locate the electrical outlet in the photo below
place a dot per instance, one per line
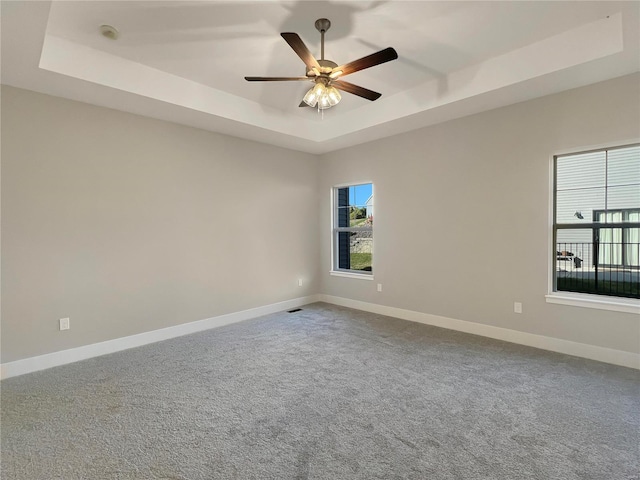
(64, 324)
(379, 287)
(299, 282)
(517, 307)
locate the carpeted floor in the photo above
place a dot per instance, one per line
(324, 393)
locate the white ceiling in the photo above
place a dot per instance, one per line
(185, 61)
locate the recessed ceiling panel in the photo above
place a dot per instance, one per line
(194, 56)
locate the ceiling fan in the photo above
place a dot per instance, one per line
(326, 74)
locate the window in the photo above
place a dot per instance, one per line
(596, 225)
(353, 229)
(618, 247)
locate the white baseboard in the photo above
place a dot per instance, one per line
(593, 352)
(41, 362)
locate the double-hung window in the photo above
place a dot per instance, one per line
(353, 229)
(596, 225)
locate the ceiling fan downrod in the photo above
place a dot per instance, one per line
(322, 25)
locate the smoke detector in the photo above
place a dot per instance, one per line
(109, 32)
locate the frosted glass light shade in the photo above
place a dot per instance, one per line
(323, 102)
(333, 95)
(314, 94)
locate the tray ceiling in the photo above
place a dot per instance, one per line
(185, 61)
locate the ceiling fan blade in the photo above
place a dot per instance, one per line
(275, 79)
(356, 90)
(301, 49)
(372, 60)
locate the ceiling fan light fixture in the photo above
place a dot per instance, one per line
(314, 94)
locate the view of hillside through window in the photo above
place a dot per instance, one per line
(353, 228)
(597, 222)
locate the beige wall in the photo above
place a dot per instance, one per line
(127, 224)
(462, 226)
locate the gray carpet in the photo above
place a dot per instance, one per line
(325, 393)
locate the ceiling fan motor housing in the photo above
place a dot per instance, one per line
(327, 63)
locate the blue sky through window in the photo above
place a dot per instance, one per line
(359, 194)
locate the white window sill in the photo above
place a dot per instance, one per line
(359, 276)
(615, 304)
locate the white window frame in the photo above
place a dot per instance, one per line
(584, 300)
(339, 272)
